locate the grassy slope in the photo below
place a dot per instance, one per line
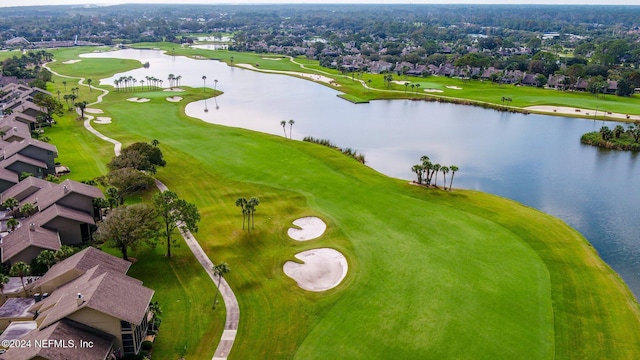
(432, 274)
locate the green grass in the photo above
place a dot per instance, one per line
(473, 91)
(432, 274)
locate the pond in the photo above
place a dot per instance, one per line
(534, 159)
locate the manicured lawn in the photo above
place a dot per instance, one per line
(432, 274)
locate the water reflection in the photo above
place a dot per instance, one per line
(536, 160)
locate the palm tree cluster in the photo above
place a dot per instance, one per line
(427, 172)
(283, 123)
(248, 209)
(174, 80)
(632, 131)
(388, 79)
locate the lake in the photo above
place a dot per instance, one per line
(534, 159)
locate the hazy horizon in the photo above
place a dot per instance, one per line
(13, 3)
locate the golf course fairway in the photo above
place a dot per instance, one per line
(432, 274)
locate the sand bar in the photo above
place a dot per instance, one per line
(581, 112)
(314, 77)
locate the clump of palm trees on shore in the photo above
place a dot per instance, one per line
(427, 173)
(347, 151)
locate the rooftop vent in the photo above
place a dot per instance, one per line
(32, 227)
(79, 299)
(65, 189)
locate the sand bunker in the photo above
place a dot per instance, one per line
(401, 82)
(266, 58)
(454, 88)
(93, 111)
(71, 61)
(433, 90)
(174, 89)
(323, 269)
(174, 99)
(581, 112)
(314, 77)
(138, 100)
(102, 120)
(310, 228)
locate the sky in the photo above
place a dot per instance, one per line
(7, 3)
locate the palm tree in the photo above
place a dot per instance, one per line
(3, 280)
(141, 84)
(418, 87)
(13, 223)
(65, 85)
(445, 170)
(20, 269)
(453, 172)
(283, 123)
(251, 209)
(178, 80)
(82, 105)
(46, 257)
(436, 169)
(204, 82)
(418, 169)
(215, 84)
(155, 142)
(291, 122)
(369, 84)
(171, 78)
(27, 209)
(219, 271)
(10, 203)
(89, 82)
(242, 202)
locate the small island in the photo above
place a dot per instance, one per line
(617, 139)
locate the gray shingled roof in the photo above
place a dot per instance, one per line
(16, 147)
(25, 188)
(23, 159)
(67, 187)
(82, 261)
(65, 331)
(111, 293)
(45, 216)
(8, 175)
(24, 237)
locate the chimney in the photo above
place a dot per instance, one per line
(65, 189)
(32, 227)
(79, 299)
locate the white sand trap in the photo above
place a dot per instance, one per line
(276, 59)
(174, 99)
(102, 120)
(174, 89)
(310, 228)
(138, 100)
(433, 90)
(93, 111)
(323, 269)
(454, 88)
(71, 61)
(401, 82)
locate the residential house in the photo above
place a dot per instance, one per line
(90, 298)
(66, 216)
(31, 156)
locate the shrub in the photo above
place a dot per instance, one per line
(147, 345)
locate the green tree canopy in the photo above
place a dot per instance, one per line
(128, 226)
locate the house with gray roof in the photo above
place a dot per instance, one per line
(34, 156)
(65, 216)
(90, 298)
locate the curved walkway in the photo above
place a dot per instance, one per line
(229, 298)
